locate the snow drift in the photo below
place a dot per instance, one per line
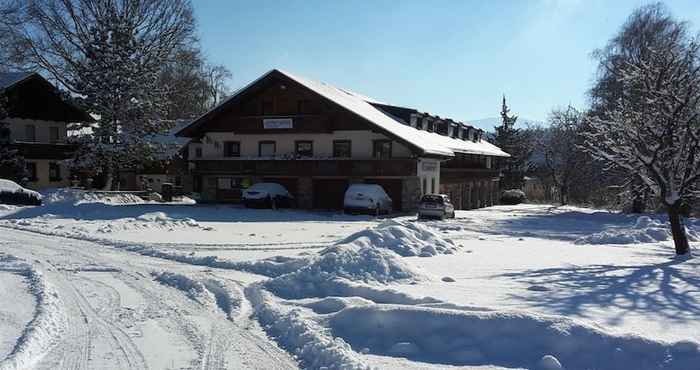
(76, 197)
(500, 338)
(644, 230)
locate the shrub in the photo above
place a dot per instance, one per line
(513, 196)
(20, 197)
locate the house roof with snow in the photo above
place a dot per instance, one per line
(9, 79)
(398, 122)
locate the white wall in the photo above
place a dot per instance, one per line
(18, 131)
(362, 144)
(429, 169)
(42, 175)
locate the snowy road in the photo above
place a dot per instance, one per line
(117, 316)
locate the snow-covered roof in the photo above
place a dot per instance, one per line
(9, 79)
(430, 143)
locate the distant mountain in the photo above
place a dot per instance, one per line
(488, 124)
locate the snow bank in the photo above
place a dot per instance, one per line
(346, 261)
(502, 339)
(644, 230)
(42, 333)
(76, 197)
(194, 289)
(403, 237)
(208, 292)
(305, 338)
(152, 220)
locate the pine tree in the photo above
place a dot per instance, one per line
(12, 166)
(120, 81)
(514, 142)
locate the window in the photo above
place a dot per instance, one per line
(382, 149)
(342, 149)
(304, 148)
(266, 149)
(425, 185)
(267, 107)
(4, 133)
(31, 171)
(489, 164)
(198, 152)
(232, 149)
(54, 172)
(30, 133)
(431, 126)
(432, 185)
(53, 134)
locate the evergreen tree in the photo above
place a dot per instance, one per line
(516, 143)
(12, 166)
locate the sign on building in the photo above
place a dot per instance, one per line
(277, 123)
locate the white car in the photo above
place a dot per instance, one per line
(13, 193)
(267, 195)
(367, 198)
(436, 205)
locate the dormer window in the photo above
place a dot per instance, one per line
(431, 126)
(450, 130)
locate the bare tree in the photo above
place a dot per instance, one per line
(561, 155)
(193, 85)
(652, 130)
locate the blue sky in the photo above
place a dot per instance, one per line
(450, 58)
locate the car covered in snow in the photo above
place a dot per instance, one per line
(363, 198)
(436, 205)
(13, 193)
(267, 195)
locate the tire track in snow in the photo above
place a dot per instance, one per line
(247, 342)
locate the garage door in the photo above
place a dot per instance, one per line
(329, 193)
(393, 187)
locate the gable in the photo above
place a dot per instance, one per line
(245, 111)
(35, 98)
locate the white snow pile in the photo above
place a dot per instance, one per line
(644, 230)
(43, 332)
(342, 262)
(152, 220)
(77, 197)
(503, 339)
(403, 237)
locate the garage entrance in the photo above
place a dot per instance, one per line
(329, 193)
(393, 187)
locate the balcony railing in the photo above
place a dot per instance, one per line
(388, 167)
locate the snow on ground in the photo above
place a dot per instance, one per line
(189, 286)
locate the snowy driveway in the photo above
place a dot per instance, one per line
(117, 317)
(160, 287)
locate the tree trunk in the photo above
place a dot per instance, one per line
(680, 239)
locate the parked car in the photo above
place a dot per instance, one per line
(267, 195)
(367, 198)
(435, 205)
(13, 193)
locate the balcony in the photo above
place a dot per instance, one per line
(311, 167)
